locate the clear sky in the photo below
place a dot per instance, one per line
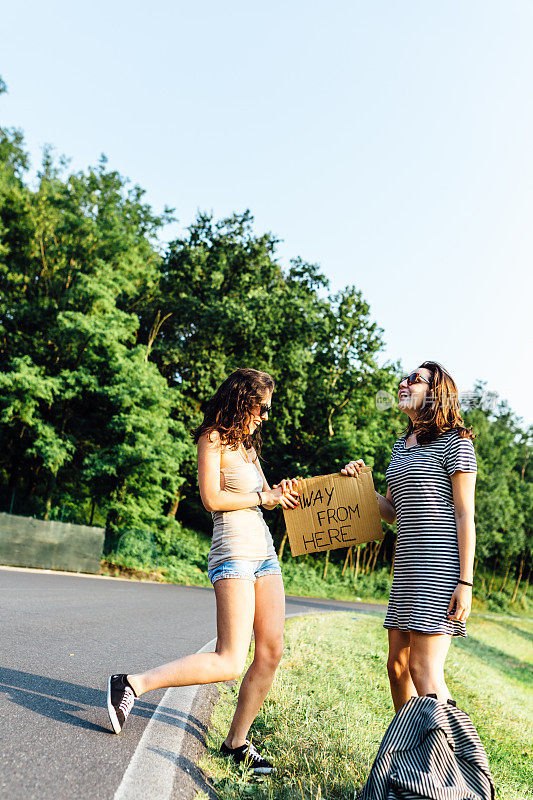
(390, 142)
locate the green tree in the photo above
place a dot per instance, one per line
(503, 494)
(85, 417)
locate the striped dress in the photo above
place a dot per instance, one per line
(426, 564)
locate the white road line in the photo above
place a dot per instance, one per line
(152, 769)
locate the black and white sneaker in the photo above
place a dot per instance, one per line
(247, 754)
(120, 700)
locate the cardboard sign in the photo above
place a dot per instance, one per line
(336, 511)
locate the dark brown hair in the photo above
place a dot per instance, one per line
(228, 411)
(441, 411)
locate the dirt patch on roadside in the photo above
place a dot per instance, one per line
(118, 571)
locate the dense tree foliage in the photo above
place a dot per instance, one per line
(109, 346)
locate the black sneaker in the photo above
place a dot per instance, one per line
(247, 754)
(120, 699)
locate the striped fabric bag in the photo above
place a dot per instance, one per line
(430, 751)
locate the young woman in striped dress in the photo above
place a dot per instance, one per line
(430, 493)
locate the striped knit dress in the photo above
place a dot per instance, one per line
(426, 564)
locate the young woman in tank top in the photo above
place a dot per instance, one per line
(242, 565)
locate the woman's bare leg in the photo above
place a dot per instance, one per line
(268, 631)
(426, 663)
(235, 616)
(401, 683)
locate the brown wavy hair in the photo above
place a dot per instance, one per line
(228, 411)
(442, 413)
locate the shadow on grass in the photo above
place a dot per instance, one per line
(513, 627)
(515, 668)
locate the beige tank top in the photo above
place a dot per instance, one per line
(241, 534)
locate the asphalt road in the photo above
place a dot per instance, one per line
(61, 636)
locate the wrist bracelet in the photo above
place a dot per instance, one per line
(465, 583)
(260, 498)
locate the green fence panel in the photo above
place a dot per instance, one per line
(29, 542)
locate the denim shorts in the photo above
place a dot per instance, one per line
(247, 570)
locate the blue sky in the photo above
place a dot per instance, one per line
(389, 142)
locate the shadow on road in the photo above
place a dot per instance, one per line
(66, 702)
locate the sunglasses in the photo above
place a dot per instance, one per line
(414, 377)
(263, 409)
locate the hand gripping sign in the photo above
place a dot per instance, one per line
(335, 511)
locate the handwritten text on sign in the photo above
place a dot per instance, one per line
(336, 511)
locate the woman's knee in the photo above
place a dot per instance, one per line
(231, 666)
(420, 669)
(269, 655)
(398, 669)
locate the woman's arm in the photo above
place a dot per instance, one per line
(463, 487)
(213, 497)
(387, 510)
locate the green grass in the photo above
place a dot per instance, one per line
(330, 706)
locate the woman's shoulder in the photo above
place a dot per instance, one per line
(458, 452)
(210, 440)
(451, 443)
(452, 436)
(447, 436)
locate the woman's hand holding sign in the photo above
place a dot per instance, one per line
(284, 494)
(387, 510)
(353, 468)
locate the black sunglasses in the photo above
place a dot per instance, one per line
(263, 409)
(414, 377)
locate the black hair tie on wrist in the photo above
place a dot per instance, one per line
(465, 583)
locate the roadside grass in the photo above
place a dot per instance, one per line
(330, 706)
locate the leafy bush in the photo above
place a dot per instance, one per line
(183, 559)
